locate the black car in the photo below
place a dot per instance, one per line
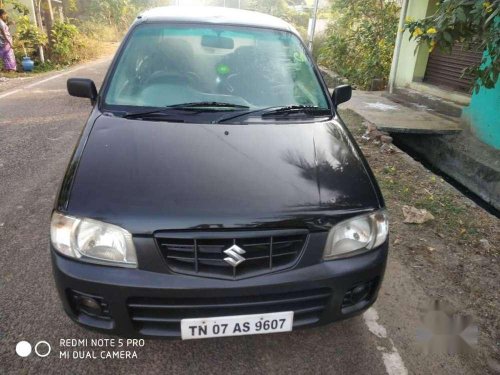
(215, 190)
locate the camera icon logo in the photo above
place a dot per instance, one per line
(42, 349)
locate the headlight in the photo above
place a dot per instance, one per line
(92, 241)
(357, 235)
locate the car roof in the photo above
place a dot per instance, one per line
(215, 15)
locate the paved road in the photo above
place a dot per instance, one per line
(39, 126)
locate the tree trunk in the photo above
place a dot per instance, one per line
(51, 12)
(39, 24)
(49, 22)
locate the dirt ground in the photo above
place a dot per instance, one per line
(456, 256)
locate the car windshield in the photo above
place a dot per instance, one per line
(167, 64)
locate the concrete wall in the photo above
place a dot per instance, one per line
(413, 59)
(483, 115)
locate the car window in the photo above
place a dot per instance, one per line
(164, 65)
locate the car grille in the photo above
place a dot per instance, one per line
(162, 316)
(202, 253)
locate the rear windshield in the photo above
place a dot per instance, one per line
(164, 65)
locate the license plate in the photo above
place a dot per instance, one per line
(237, 325)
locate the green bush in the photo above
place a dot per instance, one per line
(28, 37)
(359, 43)
(70, 46)
(92, 29)
(64, 42)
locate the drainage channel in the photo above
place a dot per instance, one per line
(398, 141)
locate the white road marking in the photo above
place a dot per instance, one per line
(393, 362)
(38, 91)
(9, 93)
(55, 77)
(371, 320)
(86, 66)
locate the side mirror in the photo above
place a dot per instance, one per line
(341, 94)
(82, 88)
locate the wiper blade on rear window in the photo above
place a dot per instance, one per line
(281, 110)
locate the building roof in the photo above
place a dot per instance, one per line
(215, 15)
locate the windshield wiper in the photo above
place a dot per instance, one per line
(139, 114)
(189, 106)
(208, 105)
(279, 110)
(291, 109)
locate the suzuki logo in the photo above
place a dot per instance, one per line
(234, 255)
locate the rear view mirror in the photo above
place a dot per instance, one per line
(341, 94)
(82, 88)
(213, 41)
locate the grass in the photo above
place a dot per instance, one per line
(451, 214)
(404, 183)
(15, 74)
(39, 68)
(93, 49)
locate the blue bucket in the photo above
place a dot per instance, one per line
(27, 64)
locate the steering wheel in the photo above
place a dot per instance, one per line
(162, 76)
(280, 87)
(228, 83)
(194, 80)
(144, 69)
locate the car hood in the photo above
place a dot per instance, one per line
(148, 176)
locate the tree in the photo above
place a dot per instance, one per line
(474, 23)
(18, 6)
(28, 37)
(281, 9)
(115, 13)
(360, 40)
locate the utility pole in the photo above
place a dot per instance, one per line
(397, 47)
(313, 25)
(50, 23)
(37, 19)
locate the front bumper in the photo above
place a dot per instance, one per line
(146, 303)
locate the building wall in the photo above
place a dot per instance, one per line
(483, 115)
(413, 59)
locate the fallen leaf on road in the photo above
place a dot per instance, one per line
(415, 215)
